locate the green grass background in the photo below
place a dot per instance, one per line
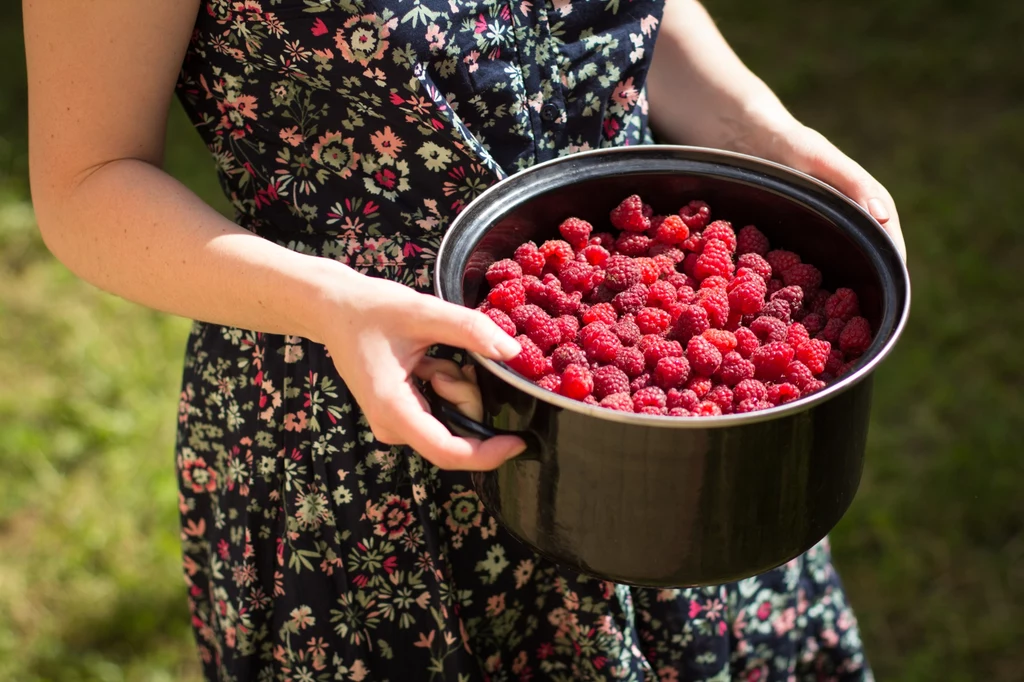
(928, 94)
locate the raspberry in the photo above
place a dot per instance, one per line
(667, 257)
(843, 304)
(714, 282)
(502, 270)
(752, 261)
(817, 303)
(651, 396)
(721, 230)
(750, 405)
(716, 303)
(693, 320)
(590, 400)
(694, 243)
(576, 276)
(531, 361)
(576, 232)
(567, 354)
(750, 389)
(803, 275)
(799, 374)
(847, 368)
(813, 323)
(704, 358)
(856, 336)
(520, 315)
(689, 265)
(603, 239)
(685, 293)
(774, 285)
(779, 309)
(746, 342)
(661, 294)
(530, 259)
(543, 331)
(601, 294)
(679, 412)
(602, 346)
(671, 372)
(747, 295)
(796, 334)
(632, 300)
(751, 240)
(640, 382)
(536, 292)
(833, 328)
(695, 214)
(507, 295)
(623, 402)
(608, 380)
(629, 215)
(631, 361)
(628, 331)
(660, 411)
(812, 387)
(734, 369)
(569, 326)
(601, 312)
(722, 396)
(707, 409)
(550, 382)
(577, 382)
(683, 398)
(722, 340)
(814, 353)
(770, 361)
(780, 394)
(650, 270)
(594, 254)
(659, 348)
(672, 230)
(699, 385)
(632, 244)
(716, 259)
(555, 253)
(653, 321)
(794, 296)
(561, 303)
(502, 320)
(833, 364)
(769, 329)
(621, 273)
(781, 261)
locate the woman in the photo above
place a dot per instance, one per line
(318, 545)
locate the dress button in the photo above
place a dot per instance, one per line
(550, 112)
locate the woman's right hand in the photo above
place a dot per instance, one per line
(378, 332)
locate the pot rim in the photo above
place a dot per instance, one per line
(867, 366)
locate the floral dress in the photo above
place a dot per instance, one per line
(356, 130)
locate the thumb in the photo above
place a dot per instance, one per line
(454, 325)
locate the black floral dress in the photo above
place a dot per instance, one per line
(356, 130)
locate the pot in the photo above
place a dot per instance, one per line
(664, 501)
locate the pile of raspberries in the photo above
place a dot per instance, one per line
(673, 315)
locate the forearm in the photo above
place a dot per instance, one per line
(134, 231)
(699, 90)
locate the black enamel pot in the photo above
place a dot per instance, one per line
(664, 501)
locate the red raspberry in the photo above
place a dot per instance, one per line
(747, 295)
(716, 259)
(833, 328)
(576, 276)
(659, 348)
(628, 331)
(814, 353)
(629, 215)
(722, 396)
(590, 330)
(522, 314)
(699, 385)
(721, 230)
(746, 342)
(693, 320)
(550, 382)
(653, 321)
(561, 303)
(751, 240)
(693, 244)
(531, 361)
(569, 326)
(623, 402)
(685, 294)
(794, 296)
(856, 336)
(813, 323)
(502, 320)
(530, 259)
(679, 412)
(631, 361)
(722, 340)
(779, 309)
(803, 275)
(672, 230)
(650, 271)
(605, 239)
(543, 331)
(577, 382)
(621, 273)
(780, 394)
(707, 409)
(715, 282)
(555, 253)
(659, 411)
(507, 295)
(632, 300)
(734, 369)
(774, 285)
(667, 257)
(847, 368)
(695, 214)
(594, 254)
(833, 364)
(671, 372)
(502, 270)
(770, 360)
(609, 379)
(750, 389)
(603, 346)
(640, 382)
(651, 396)
(799, 374)
(567, 354)
(752, 261)
(661, 294)
(716, 302)
(632, 244)
(817, 303)
(812, 387)
(796, 334)
(685, 399)
(576, 232)
(601, 312)
(704, 358)
(744, 406)
(536, 292)
(689, 265)
(769, 329)
(590, 400)
(781, 261)
(843, 304)
(601, 294)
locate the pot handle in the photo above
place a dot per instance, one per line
(467, 427)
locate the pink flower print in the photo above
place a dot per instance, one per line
(625, 93)
(335, 152)
(519, 665)
(295, 421)
(196, 474)
(785, 622)
(764, 610)
(829, 637)
(435, 37)
(386, 143)
(319, 28)
(391, 516)
(471, 60)
(496, 604)
(564, 7)
(362, 39)
(235, 112)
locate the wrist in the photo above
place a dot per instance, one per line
(328, 288)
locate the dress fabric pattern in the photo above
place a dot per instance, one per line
(356, 130)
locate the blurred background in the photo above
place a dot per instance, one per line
(927, 94)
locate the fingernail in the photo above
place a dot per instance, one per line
(515, 452)
(877, 209)
(506, 346)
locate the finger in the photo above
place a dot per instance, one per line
(463, 394)
(451, 324)
(427, 367)
(469, 371)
